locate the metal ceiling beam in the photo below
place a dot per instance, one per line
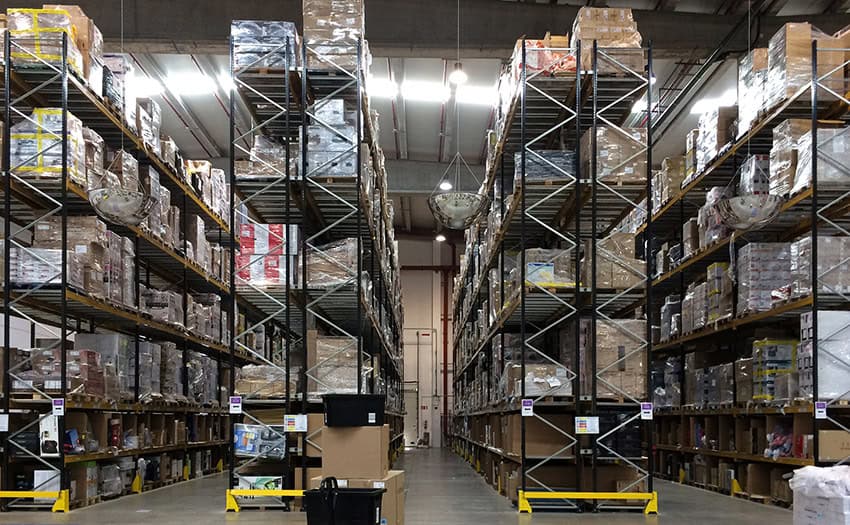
(399, 107)
(412, 177)
(150, 68)
(406, 27)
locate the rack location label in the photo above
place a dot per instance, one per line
(527, 407)
(235, 404)
(587, 425)
(646, 411)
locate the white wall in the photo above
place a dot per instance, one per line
(422, 297)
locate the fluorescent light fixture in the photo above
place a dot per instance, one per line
(445, 185)
(458, 76)
(422, 91)
(145, 87)
(190, 84)
(381, 87)
(728, 98)
(477, 95)
(440, 238)
(225, 80)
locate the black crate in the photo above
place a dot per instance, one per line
(330, 505)
(354, 410)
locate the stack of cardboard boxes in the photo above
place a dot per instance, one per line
(616, 34)
(333, 29)
(358, 458)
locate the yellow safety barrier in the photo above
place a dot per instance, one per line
(62, 503)
(136, 487)
(232, 505)
(650, 497)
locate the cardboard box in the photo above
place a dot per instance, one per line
(833, 445)
(392, 501)
(355, 452)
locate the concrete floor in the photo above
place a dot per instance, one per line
(441, 490)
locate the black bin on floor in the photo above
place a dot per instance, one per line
(331, 505)
(354, 410)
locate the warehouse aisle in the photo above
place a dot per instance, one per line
(441, 489)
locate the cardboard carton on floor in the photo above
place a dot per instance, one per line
(392, 501)
(355, 452)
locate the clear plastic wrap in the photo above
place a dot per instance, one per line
(691, 148)
(122, 71)
(771, 358)
(549, 268)
(752, 78)
(744, 380)
(265, 381)
(672, 306)
(833, 356)
(35, 146)
(762, 268)
(784, 154)
(332, 264)
(714, 132)
(719, 291)
(671, 176)
(332, 365)
(789, 62)
(833, 151)
(332, 28)
(87, 237)
(545, 165)
(754, 175)
(690, 237)
(833, 266)
(620, 357)
(259, 441)
(111, 484)
(163, 306)
(39, 266)
(39, 32)
(620, 154)
(114, 350)
(126, 166)
(95, 150)
(548, 56)
(540, 380)
(616, 34)
(263, 44)
(171, 372)
(711, 226)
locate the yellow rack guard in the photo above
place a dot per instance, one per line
(62, 503)
(651, 498)
(232, 505)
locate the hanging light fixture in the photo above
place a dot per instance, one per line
(452, 207)
(458, 76)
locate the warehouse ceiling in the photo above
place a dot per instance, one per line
(414, 43)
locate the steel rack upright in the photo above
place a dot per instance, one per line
(57, 309)
(814, 210)
(329, 207)
(566, 206)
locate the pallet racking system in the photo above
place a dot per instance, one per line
(361, 309)
(575, 209)
(58, 310)
(817, 210)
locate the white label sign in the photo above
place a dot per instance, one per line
(527, 407)
(235, 404)
(372, 418)
(820, 409)
(4, 422)
(646, 411)
(587, 425)
(295, 423)
(58, 407)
